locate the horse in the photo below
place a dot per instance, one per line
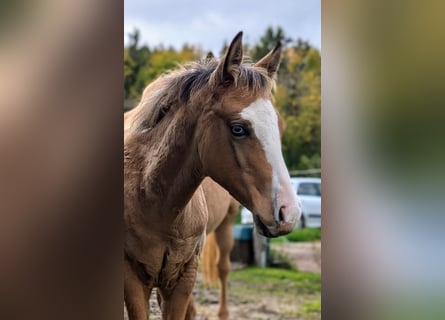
(215, 258)
(210, 118)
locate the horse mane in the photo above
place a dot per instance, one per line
(175, 88)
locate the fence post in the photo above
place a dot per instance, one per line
(260, 249)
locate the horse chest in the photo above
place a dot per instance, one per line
(183, 241)
(166, 253)
(164, 240)
(176, 257)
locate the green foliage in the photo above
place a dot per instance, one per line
(238, 217)
(299, 100)
(142, 65)
(297, 94)
(135, 58)
(268, 41)
(300, 235)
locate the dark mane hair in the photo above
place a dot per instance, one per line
(174, 89)
(194, 76)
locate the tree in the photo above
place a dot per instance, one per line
(268, 41)
(135, 58)
(297, 93)
(298, 98)
(142, 64)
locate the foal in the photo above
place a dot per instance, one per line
(211, 119)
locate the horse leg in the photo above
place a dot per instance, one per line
(136, 295)
(225, 242)
(176, 302)
(191, 310)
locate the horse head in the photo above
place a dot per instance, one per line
(240, 139)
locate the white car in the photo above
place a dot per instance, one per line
(309, 194)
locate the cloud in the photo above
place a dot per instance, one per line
(209, 24)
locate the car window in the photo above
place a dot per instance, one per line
(309, 189)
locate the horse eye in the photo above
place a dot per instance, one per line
(238, 130)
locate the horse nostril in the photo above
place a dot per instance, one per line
(281, 214)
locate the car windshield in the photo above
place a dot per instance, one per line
(309, 189)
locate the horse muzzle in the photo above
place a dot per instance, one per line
(285, 222)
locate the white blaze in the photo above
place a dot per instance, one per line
(264, 120)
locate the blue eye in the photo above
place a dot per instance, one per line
(238, 130)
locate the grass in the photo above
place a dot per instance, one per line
(255, 292)
(300, 235)
(311, 309)
(288, 292)
(302, 281)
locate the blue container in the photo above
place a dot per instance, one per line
(242, 232)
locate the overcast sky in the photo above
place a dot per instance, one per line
(208, 22)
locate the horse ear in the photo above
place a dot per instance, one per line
(228, 70)
(271, 61)
(209, 56)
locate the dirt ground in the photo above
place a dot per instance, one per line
(265, 302)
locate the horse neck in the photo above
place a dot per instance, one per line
(173, 168)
